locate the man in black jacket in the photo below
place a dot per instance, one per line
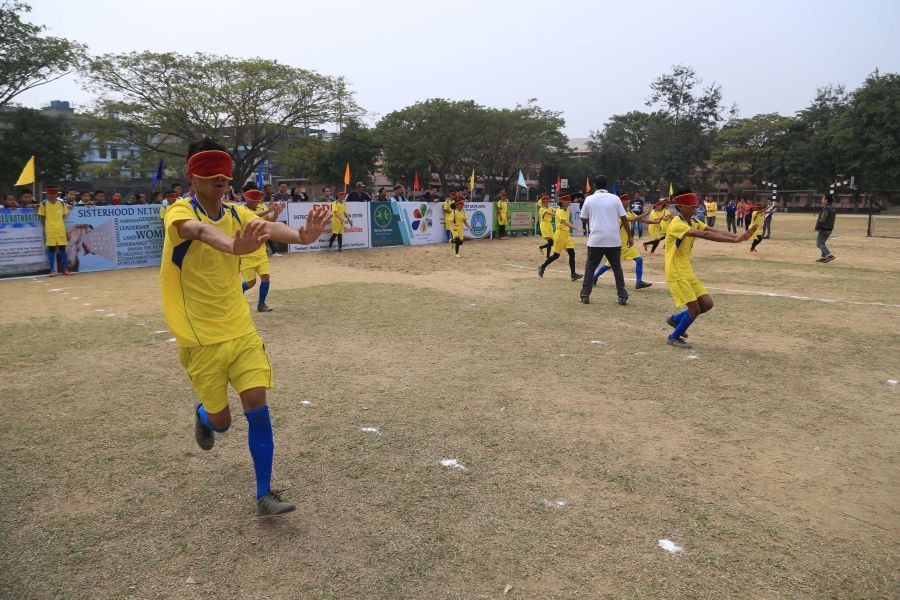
(824, 227)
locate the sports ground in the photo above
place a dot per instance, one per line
(767, 453)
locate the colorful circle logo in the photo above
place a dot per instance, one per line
(382, 216)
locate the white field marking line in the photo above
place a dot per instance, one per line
(670, 546)
(370, 430)
(452, 463)
(752, 292)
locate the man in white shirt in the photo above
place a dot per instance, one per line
(398, 194)
(605, 214)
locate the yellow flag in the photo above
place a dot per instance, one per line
(587, 184)
(671, 191)
(27, 175)
(472, 182)
(347, 175)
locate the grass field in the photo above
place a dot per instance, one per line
(770, 457)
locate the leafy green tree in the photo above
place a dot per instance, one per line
(25, 132)
(748, 147)
(28, 58)
(161, 101)
(865, 138)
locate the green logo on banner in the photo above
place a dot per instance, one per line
(382, 216)
(478, 223)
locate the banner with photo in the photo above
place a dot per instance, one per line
(21, 243)
(114, 237)
(355, 236)
(422, 222)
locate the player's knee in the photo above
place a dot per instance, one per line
(251, 283)
(263, 278)
(220, 420)
(706, 304)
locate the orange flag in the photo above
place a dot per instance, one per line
(347, 175)
(587, 184)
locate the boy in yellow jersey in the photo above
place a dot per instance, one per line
(545, 218)
(171, 198)
(257, 262)
(203, 307)
(338, 218)
(630, 252)
(448, 207)
(759, 215)
(658, 223)
(562, 238)
(52, 213)
(711, 208)
(685, 287)
(459, 221)
(502, 214)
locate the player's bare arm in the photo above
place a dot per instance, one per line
(715, 235)
(244, 242)
(315, 225)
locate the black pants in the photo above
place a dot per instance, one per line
(340, 240)
(502, 230)
(767, 226)
(711, 221)
(756, 242)
(731, 223)
(594, 256)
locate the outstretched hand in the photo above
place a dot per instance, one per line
(315, 225)
(250, 238)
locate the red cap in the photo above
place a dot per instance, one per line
(685, 200)
(566, 198)
(253, 195)
(625, 198)
(172, 196)
(51, 191)
(209, 164)
(342, 194)
(460, 202)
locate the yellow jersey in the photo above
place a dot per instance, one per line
(654, 229)
(562, 214)
(502, 212)
(711, 208)
(757, 219)
(54, 214)
(666, 219)
(338, 216)
(448, 213)
(623, 232)
(545, 218)
(201, 286)
(258, 256)
(679, 246)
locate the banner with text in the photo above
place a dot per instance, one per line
(384, 218)
(479, 216)
(21, 243)
(355, 236)
(113, 237)
(521, 218)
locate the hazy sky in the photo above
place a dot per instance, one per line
(588, 59)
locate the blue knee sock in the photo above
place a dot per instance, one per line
(262, 447)
(683, 323)
(678, 316)
(263, 291)
(603, 269)
(51, 257)
(244, 286)
(63, 259)
(204, 420)
(639, 268)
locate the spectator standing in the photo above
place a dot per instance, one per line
(10, 201)
(399, 194)
(359, 194)
(382, 195)
(85, 199)
(502, 214)
(637, 207)
(700, 215)
(282, 195)
(824, 227)
(71, 196)
(26, 199)
(711, 208)
(606, 215)
(771, 208)
(299, 194)
(52, 213)
(116, 199)
(267, 193)
(741, 211)
(730, 216)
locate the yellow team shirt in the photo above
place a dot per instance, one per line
(711, 208)
(258, 256)
(54, 214)
(757, 219)
(664, 224)
(679, 247)
(502, 212)
(654, 229)
(545, 217)
(201, 286)
(562, 214)
(338, 214)
(458, 219)
(448, 214)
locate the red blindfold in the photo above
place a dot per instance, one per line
(209, 164)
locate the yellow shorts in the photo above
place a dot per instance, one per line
(249, 271)
(561, 242)
(242, 361)
(685, 290)
(629, 253)
(337, 226)
(57, 240)
(457, 233)
(546, 230)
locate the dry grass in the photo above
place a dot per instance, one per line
(771, 459)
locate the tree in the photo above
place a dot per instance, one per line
(161, 101)
(749, 147)
(675, 95)
(865, 139)
(25, 132)
(28, 58)
(434, 136)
